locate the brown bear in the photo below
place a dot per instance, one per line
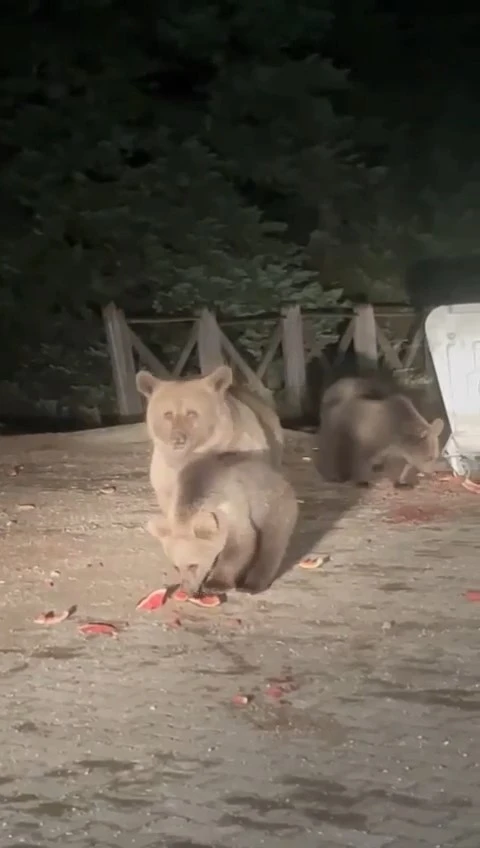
(187, 418)
(347, 388)
(364, 423)
(229, 523)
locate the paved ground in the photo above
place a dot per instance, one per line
(134, 741)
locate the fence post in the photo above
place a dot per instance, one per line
(294, 361)
(129, 402)
(365, 338)
(209, 344)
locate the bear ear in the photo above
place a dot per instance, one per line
(205, 525)
(158, 526)
(436, 427)
(146, 383)
(221, 379)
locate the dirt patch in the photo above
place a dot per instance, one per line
(411, 514)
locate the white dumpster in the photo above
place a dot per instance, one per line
(453, 338)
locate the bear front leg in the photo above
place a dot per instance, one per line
(231, 562)
(362, 468)
(407, 478)
(273, 539)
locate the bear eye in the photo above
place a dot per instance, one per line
(168, 415)
(192, 414)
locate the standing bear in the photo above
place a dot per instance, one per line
(217, 450)
(188, 418)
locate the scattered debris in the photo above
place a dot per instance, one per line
(454, 480)
(98, 628)
(471, 486)
(174, 624)
(14, 471)
(274, 692)
(472, 595)
(313, 562)
(108, 490)
(410, 514)
(52, 617)
(279, 687)
(242, 700)
(50, 580)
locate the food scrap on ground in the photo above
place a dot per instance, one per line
(241, 700)
(313, 562)
(153, 600)
(207, 601)
(180, 595)
(471, 486)
(274, 691)
(472, 595)
(98, 628)
(52, 617)
(108, 490)
(14, 471)
(159, 597)
(453, 481)
(279, 687)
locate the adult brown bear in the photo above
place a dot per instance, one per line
(364, 422)
(188, 418)
(229, 522)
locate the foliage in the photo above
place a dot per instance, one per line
(396, 221)
(108, 200)
(212, 154)
(112, 191)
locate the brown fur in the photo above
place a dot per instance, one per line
(370, 388)
(229, 524)
(359, 431)
(188, 418)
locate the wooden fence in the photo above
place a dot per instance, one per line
(291, 337)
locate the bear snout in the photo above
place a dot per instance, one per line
(178, 439)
